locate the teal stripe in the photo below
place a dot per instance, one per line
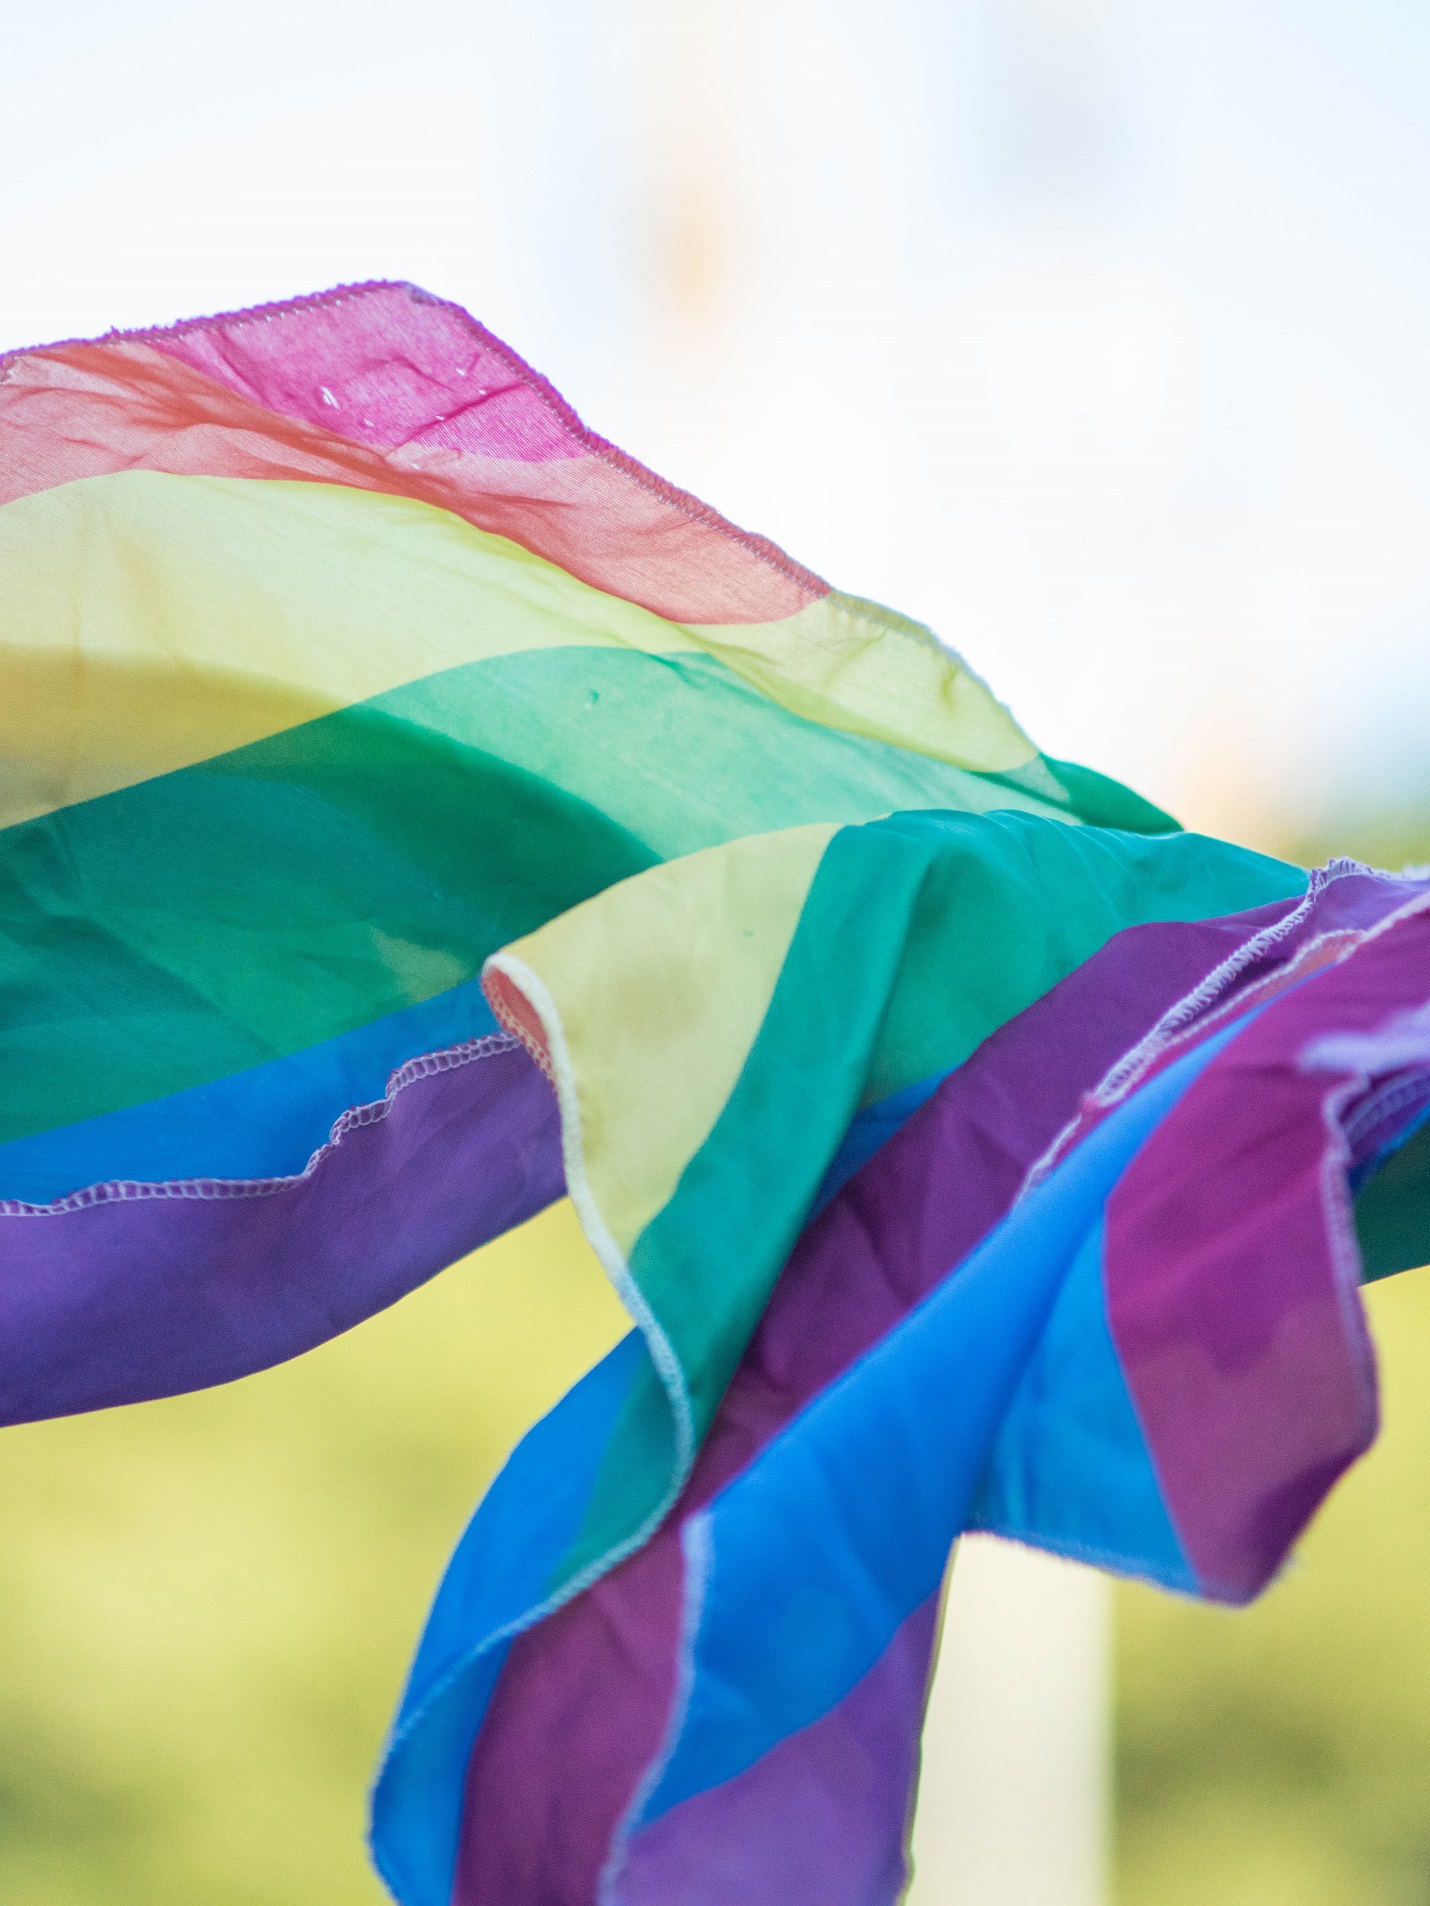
(1009, 906)
(707, 1263)
(1102, 802)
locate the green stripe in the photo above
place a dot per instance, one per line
(214, 918)
(685, 754)
(922, 934)
(1103, 802)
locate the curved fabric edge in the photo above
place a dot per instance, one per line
(265, 1123)
(506, 975)
(822, 1530)
(125, 1291)
(810, 1526)
(824, 1816)
(1248, 1262)
(1148, 952)
(497, 1584)
(854, 686)
(1055, 1049)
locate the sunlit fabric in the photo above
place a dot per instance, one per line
(413, 810)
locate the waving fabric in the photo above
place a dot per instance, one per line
(412, 809)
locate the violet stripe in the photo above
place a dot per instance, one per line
(917, 1208)
(821, 1820)
(131, 1292)
(1232, 1271)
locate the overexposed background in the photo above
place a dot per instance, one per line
(1092, 333)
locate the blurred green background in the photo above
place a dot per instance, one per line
(208, 1605)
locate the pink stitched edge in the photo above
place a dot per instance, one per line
(541, 387)
(128, 1190)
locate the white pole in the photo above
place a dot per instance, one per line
(1014, 1799)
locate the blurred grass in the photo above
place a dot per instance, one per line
(208, 1604)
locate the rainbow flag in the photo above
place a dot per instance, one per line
(415, 809)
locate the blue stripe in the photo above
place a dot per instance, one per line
(1071, 1470)
(263, 1123)
(842, 1526)
(498, 1577)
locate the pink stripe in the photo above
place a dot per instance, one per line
(1232, 1270)
(244, 396)
(384, 365)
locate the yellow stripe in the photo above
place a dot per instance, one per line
(850, 664)
(651, 996)
(149, 621)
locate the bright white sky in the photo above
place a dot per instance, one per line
(1092, 333)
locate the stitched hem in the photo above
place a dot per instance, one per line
(502, 976)
(523, 1004)
(811, 585)
(130, 1190)
(1192, 1016)
(697, 1547)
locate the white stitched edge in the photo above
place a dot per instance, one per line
(697, 1547)
(613, 1262)
(578, 1187)
(131, 1190)
(1193, 1007)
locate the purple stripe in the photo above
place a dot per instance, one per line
(129, 1291)
(1233, 1271)
(821, 1820)
(591, 1695)
(892, 1233)
(1343, 904)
